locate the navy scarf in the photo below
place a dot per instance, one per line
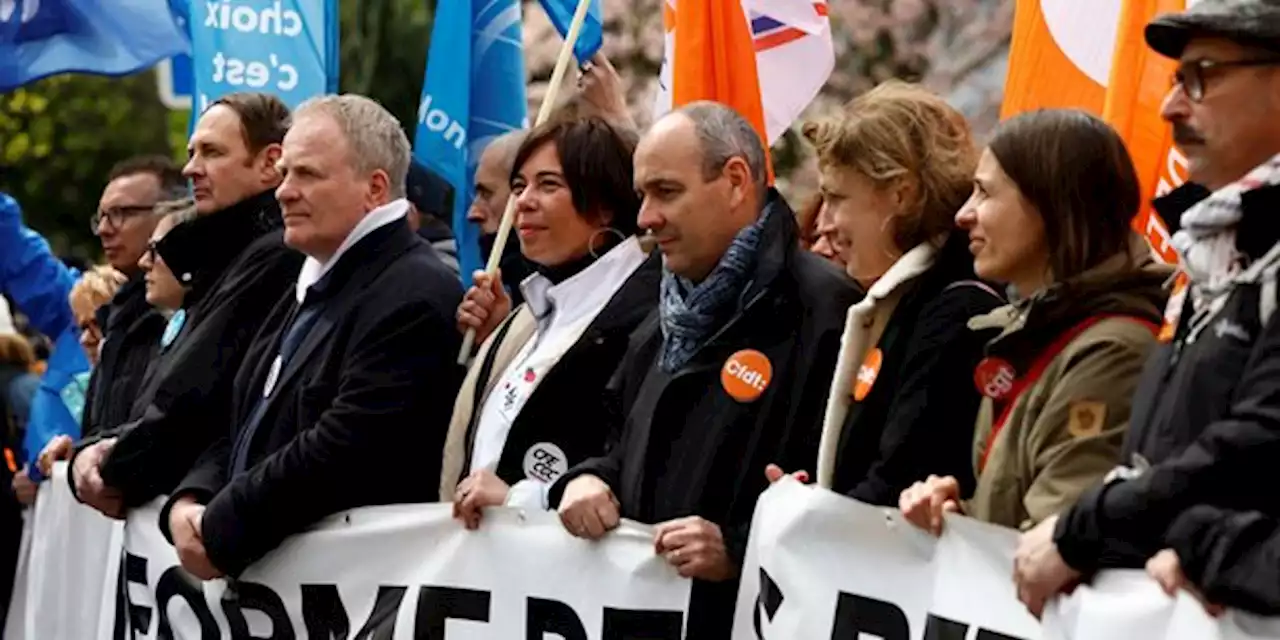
(691, 313)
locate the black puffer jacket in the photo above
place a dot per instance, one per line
(1206, 415)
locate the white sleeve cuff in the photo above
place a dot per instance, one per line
(528, 494)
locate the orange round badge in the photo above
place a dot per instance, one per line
(867, 373)
(746, 374)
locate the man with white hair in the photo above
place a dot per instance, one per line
(346, 396)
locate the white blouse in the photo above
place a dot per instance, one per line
(563, 312)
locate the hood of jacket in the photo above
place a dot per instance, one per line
(1133, 284)
(200, 250)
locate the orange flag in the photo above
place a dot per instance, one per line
(1091, 55)
(715, 58)
(1136, 89)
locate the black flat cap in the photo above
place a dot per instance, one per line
(1254, 22)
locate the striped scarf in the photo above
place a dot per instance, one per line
(1206, 243)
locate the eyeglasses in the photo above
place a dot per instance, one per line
(116, 216)
(151, 252)
(1191, 74)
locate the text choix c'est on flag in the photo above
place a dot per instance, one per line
(1091, 55)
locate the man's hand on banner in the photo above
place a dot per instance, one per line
(90, 488)
(185, 520)
(24, 488)
(924, 503)
(485, 306)
(602, 88)
(775, 473)
(1166, 568)
(483, 488)
(1039, 570)
(588, 508)
(695, 547)
(58, 449)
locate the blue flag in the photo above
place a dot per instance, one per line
(287, 48)
(40, 38)
(592, 34)
(474, 91)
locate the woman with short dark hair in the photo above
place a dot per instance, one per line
(534, 403)
(1054, 196)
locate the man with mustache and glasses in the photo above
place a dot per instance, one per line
(1205, 428)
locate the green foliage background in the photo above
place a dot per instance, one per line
(59, 137)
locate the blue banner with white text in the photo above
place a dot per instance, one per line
(283, 47)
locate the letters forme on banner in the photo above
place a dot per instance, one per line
(818, 566)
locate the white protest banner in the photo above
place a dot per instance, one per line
(67, 587)
(412, 571)
(822, 566)
(1124, 605)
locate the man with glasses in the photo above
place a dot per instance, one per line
(1205, 427)
(130, 327)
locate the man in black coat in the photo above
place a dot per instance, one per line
(729, 375)
(130, 328)
(234, 265)
(346, 399)
(1205, 428)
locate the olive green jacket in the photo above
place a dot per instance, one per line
(1064, 432)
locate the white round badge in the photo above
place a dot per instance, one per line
(545, 462)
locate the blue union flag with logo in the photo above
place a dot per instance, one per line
(474, 91)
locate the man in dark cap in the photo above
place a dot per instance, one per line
(1205, 427)
(428, 197)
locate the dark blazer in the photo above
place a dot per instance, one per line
(577, 380)
(237, 265)
(358, 415)
(131, 331)
(688, 448)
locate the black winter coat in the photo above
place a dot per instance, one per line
(131, 331)
(238, 266)
(1206, 417)
(1232, 557)
(356, 417)
(918, 418)
(689, 448)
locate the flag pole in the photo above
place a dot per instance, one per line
(544, 112)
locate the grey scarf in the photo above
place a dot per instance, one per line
(691, 313)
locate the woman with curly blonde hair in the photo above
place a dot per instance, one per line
(896, 165)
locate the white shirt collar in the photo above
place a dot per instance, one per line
(313, 269)
(587, 290)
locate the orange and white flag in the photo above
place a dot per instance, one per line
(767, 59)
(1090, 54)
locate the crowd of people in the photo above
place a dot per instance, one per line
(946, 328)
